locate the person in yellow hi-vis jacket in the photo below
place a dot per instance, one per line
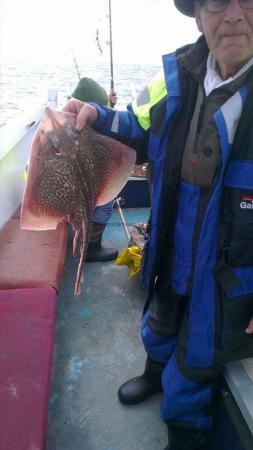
(196, 123)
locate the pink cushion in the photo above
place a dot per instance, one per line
(30, 259)
(27, 319)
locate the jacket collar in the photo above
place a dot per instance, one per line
(194, 59)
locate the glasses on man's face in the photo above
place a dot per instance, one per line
(215, 6)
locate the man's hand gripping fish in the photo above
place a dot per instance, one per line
(69, 174)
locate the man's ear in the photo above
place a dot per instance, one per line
(198, 18)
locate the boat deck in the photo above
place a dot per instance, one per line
(97, 348)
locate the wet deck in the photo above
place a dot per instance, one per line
(97, 347)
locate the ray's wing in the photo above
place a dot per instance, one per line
(112, 164)
(43, 207)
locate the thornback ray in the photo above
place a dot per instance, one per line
(69, 174)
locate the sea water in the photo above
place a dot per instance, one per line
(23, 86)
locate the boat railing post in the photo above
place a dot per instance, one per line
(52, 98)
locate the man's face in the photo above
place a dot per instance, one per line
(229, 35)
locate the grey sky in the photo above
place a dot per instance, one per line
(45, 30)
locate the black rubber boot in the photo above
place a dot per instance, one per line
(140, 388)
(183, 438)
(95, 251)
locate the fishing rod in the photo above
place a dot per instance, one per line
(75, 62)
(110, 42)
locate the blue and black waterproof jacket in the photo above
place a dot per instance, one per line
(221, 274)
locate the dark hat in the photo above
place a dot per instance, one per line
(88, 90)
(185, 6)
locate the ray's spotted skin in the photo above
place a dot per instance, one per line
(70, 173)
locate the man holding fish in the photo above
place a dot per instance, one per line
(198, 261)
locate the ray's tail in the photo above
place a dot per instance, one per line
(82, 239)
